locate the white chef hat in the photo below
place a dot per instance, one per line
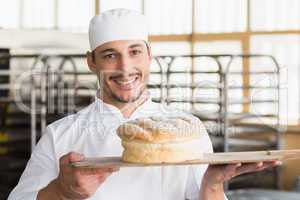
(117, 24)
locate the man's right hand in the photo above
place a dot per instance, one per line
(75, 183)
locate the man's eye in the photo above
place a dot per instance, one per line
(136, 52)
(109, 56)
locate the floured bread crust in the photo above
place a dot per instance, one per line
(139, 152)
(161, 129)
(161, 139)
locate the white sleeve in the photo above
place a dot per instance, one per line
(196, 172)
(40, 170)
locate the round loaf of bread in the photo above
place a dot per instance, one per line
(161, 139)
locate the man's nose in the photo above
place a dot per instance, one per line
(125, 63)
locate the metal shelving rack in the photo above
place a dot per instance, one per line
(17, 118)
(226, 124)
(15, 126)
(223, 116)
(56, 91)
(240, 118)
(247, 124)
(168, 70)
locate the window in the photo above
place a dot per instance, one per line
(9, 14)
(217, 27)
(129, 4)
(269, 15)
(75, 16)
(169, 16)
(218, 47)
(38, 14)
(47, 14)
(170, 48)
(217, 16)
(286, 49)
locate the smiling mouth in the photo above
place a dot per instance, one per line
(126, 82)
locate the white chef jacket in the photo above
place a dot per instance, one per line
(92, 132)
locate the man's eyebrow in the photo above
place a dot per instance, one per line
(107, 50)
(113, 50)
(135, 45)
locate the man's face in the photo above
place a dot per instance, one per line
(122, 68)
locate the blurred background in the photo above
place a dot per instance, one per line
(232, 63)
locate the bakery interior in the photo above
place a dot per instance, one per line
(234, 64)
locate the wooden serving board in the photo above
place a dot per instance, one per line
(209, 158)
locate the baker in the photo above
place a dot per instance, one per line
(120, 57)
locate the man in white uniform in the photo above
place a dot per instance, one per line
(120, 58)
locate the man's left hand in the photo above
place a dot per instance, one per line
(216, 175)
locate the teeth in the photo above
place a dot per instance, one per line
(125, 82)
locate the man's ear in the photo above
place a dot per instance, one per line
(91, 61)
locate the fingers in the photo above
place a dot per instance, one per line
(269, 165)
(231, 170)
(75, 157)
(217, 174)
(254, 167)
(79, 183)
(71, 157)
(273, 163)
(247, 168)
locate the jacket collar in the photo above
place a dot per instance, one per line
(107, 109)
